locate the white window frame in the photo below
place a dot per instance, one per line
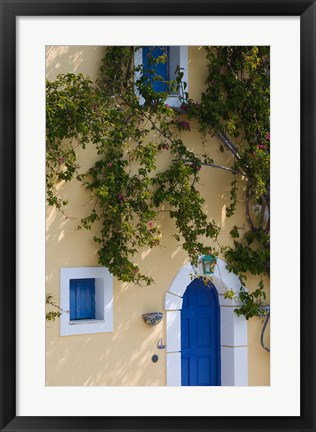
(103, 323)
(179, 53)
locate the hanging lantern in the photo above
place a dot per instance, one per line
(207, 263)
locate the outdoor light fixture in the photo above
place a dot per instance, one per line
(152, 318)
(207, 263)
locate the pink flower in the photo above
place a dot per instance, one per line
(150, 224)
(268, 136)
(110, 164)
(185, 125)
(261, 146)
(182, 124)
(195, 166)
(167, 106)
(61, 159)
(121, 197)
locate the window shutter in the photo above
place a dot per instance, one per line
(82, 299)
(161, 69)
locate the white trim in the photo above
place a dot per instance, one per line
(233, 328)
(234, 366)
(104, 301)
(173, 331)
(181, 52)
(173, 302)
(173, 371)
(234, 336)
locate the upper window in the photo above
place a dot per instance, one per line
(86, 297)
(151, 55)
(164, 62)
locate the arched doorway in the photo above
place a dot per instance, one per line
(200, 335)
(233, 328)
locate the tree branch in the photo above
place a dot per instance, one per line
(227, 143)
(265, 207)
(247, 209)
(232, 170)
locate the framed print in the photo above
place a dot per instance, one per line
(104, 347)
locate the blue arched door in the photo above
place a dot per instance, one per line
(200, 336)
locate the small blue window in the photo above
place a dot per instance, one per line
(82, 299)
(161, 68)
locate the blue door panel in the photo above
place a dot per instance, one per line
(204, 371)
(202, 298)
(200, 335)
(193, 378)
(185, 365)
(185, 332)
(203, 332)
(161, 69)
(82, 299)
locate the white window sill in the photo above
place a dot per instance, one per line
(86, 321)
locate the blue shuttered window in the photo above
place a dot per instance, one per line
(82, 299)
(160, 68)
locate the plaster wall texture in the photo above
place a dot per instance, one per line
(123, 357)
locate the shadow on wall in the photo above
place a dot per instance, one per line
(124, 356)
(73, 59)
(102, 370)
(120, 358)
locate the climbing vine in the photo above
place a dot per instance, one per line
(131, 126)
(56, 312)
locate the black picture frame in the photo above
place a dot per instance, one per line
(9, 10)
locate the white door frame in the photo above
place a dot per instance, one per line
(233, 329)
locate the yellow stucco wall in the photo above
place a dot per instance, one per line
(123, 357)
